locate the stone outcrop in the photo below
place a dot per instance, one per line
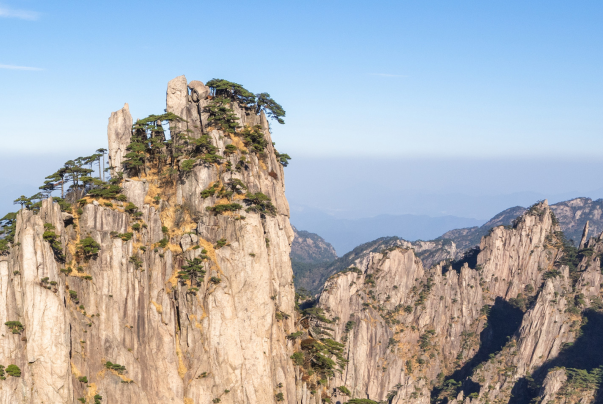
(409, 329)
(181, 290)
(119, 133)
(169, 340)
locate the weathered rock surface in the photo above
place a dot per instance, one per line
(126, 305)
(126, 319)
(408, 329)
(119, 133)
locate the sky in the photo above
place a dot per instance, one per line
(422, 98)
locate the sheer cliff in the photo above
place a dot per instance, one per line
(175, 285)
(172, 283)
(502, 325)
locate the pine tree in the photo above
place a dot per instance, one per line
(22, 200)
(270, 107)
(58, 178)
(101, 152)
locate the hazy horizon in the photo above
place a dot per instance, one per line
(441, 109)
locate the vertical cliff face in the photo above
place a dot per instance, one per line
(176, 287)
(188, 305)
(474, 332)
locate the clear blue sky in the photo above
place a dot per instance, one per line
(433, 79)
(356, 78)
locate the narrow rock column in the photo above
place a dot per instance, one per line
(119, 133)
(584, 236)
(176, 101)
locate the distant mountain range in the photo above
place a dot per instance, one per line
(312, 268)
(346, 234)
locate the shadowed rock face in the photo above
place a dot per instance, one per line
(311, 248)
(408, 329)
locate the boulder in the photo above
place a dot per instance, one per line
(199, 91)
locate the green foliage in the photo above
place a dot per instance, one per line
(32, 203)
(322, 355)
(425, 339)
(298, 358)
(236, 185)
(259, 203)
(270, 107)
(370, 280)
(282, 158)
(13, 370)
(206, 193)
(136, 261)
(116, 367)
(200, 145)
(221, 243)
(570, 257)
(53, 239)
(317, 314)
(227, 207)
(520, 302)
(15, 326)
(82, 379)
(97, 399)
(254, 139)
(63, 204)
(280, 397)
(237, 93)
(426, 288)
(221, 115)
(148, 142)
(130, 208)
(105, 190)
(215, 280)
(349, 326)
(294, 336)
(8, 225)
(193, 270)
(581, 380)
(22, 200)
(552, 273)
(73, 294)
(231, 91)
(230, 149)
(88, 248)
(211, 158)
(163, 242)
(361, 401)
(187, 165)
(125, 236)
(344, 390)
